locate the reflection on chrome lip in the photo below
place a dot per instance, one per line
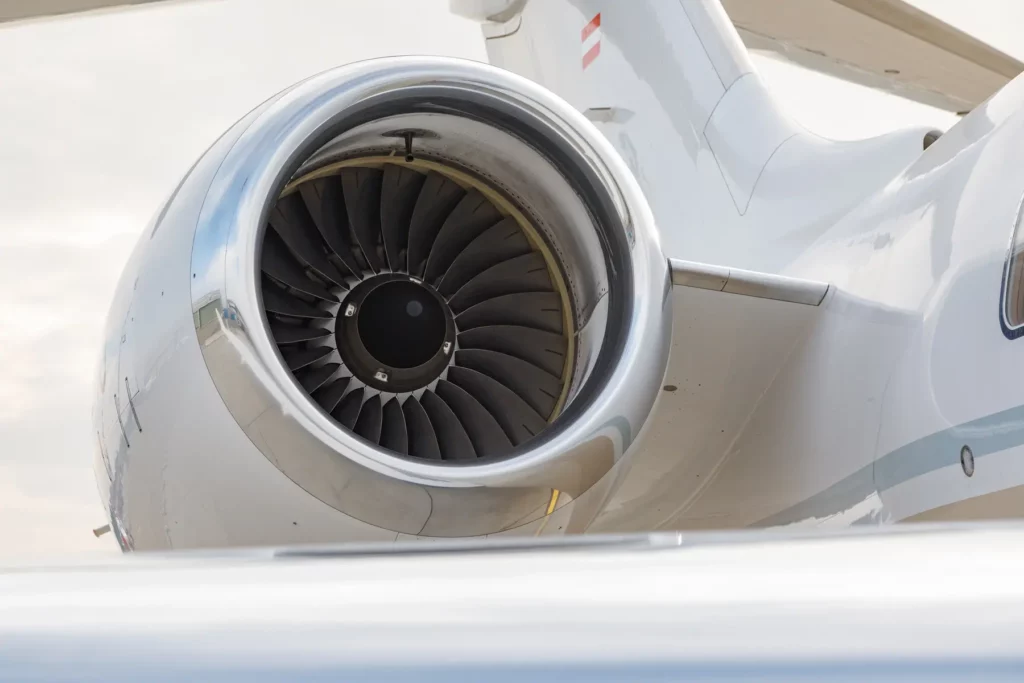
(339, 468)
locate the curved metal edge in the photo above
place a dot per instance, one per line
(585, 443)
(747, 282)
(1010, 331)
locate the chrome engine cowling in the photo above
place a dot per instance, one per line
(426, 291)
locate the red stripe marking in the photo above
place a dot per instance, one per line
(594, 24)
(591, 55)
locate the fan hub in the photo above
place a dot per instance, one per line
(398, 332)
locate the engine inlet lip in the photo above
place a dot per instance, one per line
(272, 145)
(609, 213)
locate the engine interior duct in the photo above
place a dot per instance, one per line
(418, 307)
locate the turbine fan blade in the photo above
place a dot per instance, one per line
(489, 440)
(368, 424)
(540, 310)
(544, 349)
(276, 301)
(436, 200)
(294, 334)
(473, 215)
(535, 386)
(499, 243)
(399, 190)
(517, 419)
(299, 359)
(326, 204)
(291, 220)
(393, 432)
(451, 436)
(329, 396)
(348, 410)
(280, 265)
(362, 188)
(313, 378)
(526, 273)
(422, 440)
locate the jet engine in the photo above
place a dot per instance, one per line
(410, 297)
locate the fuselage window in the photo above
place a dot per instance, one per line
(1013, 287)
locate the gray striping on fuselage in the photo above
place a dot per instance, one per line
(986, 435)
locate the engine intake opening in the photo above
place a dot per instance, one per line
(402, 325)
(449, 326)
(515, 211)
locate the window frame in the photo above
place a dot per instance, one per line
(1014, 253)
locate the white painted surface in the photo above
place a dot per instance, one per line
(904, 363)
(936, 604)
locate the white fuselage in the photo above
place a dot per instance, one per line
(854, 411)
(855, 368)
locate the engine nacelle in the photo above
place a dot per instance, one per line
(410, 297)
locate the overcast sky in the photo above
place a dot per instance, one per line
(101, 114)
